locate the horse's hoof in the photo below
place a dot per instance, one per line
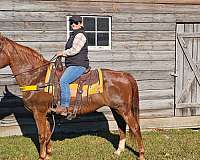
(141, 158)
(48, 157)
(118, 152)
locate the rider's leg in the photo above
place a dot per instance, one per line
(70, 75)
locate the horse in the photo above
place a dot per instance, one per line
(120, 94)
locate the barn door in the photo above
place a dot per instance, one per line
(187, 88)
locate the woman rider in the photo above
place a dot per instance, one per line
(76, 61)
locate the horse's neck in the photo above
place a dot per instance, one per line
(27, 74)
(30, 74)
(31, 70)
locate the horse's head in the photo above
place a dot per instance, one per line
(4, 58)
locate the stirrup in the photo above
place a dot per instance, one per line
(70, 116)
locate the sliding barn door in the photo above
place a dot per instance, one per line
(187, 90)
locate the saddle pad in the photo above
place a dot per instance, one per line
(89, 89)
(86, 89)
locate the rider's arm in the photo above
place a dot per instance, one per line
(78, 43)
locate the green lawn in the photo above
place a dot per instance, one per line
(159, 145)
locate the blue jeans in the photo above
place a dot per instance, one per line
(71, 74)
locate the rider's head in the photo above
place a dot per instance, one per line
(75, 22)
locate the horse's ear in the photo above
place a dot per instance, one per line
(1, 40)
(1, 35)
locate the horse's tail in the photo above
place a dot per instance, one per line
(135, 101)
(136, 105)
(135, 97)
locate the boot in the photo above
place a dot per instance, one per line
(63, 111)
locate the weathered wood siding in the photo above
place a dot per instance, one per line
(143, 43)
(187, 69)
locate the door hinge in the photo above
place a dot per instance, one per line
(173, 74)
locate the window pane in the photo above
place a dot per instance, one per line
(102, 24)
(91, 39)
(103, 39)
(89, 23)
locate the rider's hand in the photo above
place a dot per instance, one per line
(59, 53)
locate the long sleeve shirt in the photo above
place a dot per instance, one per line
(78, 43)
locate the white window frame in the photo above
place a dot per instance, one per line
(109, 32)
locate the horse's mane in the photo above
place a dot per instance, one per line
(26, 53)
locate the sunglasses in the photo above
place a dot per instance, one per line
(76, 23)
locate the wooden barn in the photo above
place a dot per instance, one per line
(157, 41)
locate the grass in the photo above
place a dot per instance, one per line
(159, 145)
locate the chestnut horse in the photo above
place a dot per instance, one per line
(120, 93)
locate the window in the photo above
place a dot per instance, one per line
(98, 31)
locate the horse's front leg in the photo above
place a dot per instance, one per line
(49, 147)
(41, 122)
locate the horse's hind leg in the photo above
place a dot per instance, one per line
(133, 124)
(122, 132)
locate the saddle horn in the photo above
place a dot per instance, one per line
(58, 64)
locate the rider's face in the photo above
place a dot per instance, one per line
(75, 25)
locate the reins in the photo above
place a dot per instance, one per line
(30, 70)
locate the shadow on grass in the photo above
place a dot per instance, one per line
(113, 138)
(92, 124)
(12, 111)
(131, 149)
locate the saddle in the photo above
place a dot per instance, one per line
(91, 82)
